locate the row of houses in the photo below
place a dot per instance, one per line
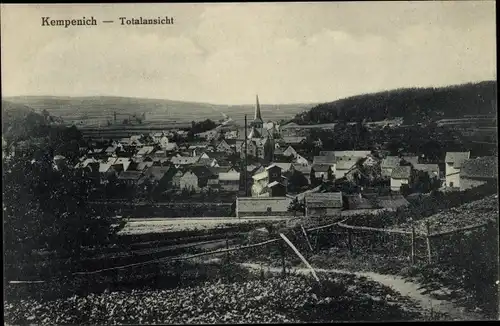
(317, 204)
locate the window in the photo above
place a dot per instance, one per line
(269, 210)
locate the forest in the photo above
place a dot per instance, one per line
(414, 105)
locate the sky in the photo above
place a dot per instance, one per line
(226, 53)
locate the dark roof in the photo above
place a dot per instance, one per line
(157, 172)
(481, 167)
(327, 153)
(130, 175)
(324, 160)
(303, 168)
(320, 167)
(401, 172)
(327, 199)
(202, 172)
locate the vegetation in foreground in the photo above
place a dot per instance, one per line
(216, 294)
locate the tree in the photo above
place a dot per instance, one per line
(297, 181)
(297, 206)
(47, 209)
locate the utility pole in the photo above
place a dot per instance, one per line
(246, 159)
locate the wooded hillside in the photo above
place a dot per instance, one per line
(412, 104)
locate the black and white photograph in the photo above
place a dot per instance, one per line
(249, 162)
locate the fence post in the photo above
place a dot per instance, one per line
(412, 244)
(282, 250)
(349, 240)
(428, 240)
(307, 238)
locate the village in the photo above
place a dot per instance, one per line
(263, 175)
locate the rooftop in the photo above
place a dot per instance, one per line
(401, 172)
(327, 199)
(456, 158)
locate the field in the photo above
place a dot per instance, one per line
(95, 110)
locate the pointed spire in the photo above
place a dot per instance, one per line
(258, 116)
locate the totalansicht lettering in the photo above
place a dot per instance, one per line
(46, 21)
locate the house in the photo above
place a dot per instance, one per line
(196, 178)
(305, 169)
(344, 165)
(206, 161)
(156, 173)
(176, 178)
(299, 159)
(275, 189)
(388, 164)
(285, 167)
(130, 178)
(125, 161)
(261, 180)
(146, 150)
(170, 147)
(293, 140)
(323, 204)
(290, 151)
(413, 160)
(223, 146)
(326, 160)
(453, 164)
(431, 169)
(354, 154)
(478, 171)
(262, 206)
(321, 171)
(401, 175)
(229, 181)
(178, 161)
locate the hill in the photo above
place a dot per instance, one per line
(100, 109)
(412, 104)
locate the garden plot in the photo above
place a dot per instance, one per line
(473, 213)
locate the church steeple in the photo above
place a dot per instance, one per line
(257, 117)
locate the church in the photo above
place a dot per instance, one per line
(260, 141)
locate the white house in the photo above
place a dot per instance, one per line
(401, 175)
(454, 161)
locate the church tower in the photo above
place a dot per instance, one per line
(257, 122)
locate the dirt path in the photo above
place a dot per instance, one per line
(406, 288)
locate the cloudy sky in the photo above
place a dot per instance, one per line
(226, 53)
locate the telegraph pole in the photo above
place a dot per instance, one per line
(246, 159)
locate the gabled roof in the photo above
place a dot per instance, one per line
(184, 160)
(390, 162)
(401, 172)
(145, 150)
(274, 184)
(303, 168)
(260, 176)
(430, 168)
(346, 164)
(104, 167)
(352, 153)
(320, 167)
(283, 166)
(130, 175)
(202, 172)
(229, 176)
(327, 153)
(327, 199)
(481, 167)
(157, 172)
(411, 159)
(262, 204)
(143, 165)
(456, 158)
(324, 160)
(171, 146)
